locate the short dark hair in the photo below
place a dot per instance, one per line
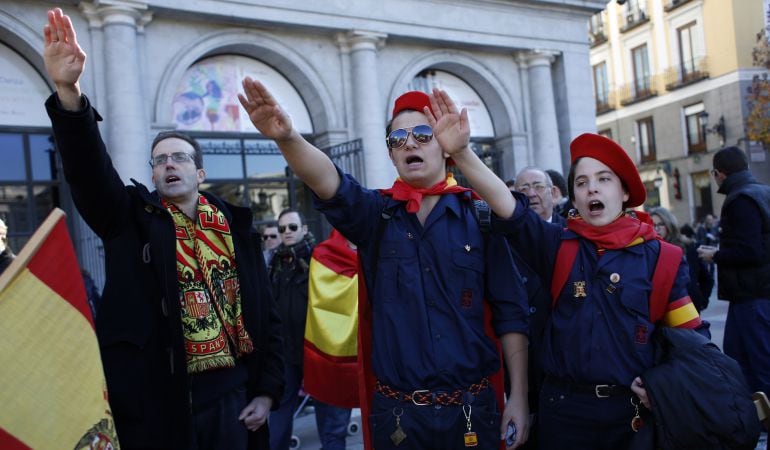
(511, 183)
(289, 211)
(558, 180)
(197, 154)
(730, 160)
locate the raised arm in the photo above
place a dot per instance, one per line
(310, 164)
(453, 133)
(64, 59)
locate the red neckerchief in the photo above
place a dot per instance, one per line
(625, 231)
(413, 196)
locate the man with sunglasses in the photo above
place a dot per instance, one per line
(187, 329)
(270, 241)
(430, 272)
(289, 279)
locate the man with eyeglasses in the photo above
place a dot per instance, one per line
(537, 186)
(426, 359)
(187, 330)
(270, 241)
(743, 260)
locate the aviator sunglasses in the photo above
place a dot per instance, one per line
(397, 138)
(292, 227)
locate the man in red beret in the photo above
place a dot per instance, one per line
(600, 271)
(430, 273)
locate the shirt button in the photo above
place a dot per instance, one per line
(524, 279)
(532, 310)
(438, 336)
(427, 269)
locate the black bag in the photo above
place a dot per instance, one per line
(700, 399)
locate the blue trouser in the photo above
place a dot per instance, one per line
(434, 427)
(747, 341)
(332, 423)
(281, 420)
(570, 420)
(216, 425)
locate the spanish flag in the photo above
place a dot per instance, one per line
(52, 388)
(330, 361)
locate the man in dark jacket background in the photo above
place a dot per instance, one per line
(187, 328)
(743, 260)
(289, 279)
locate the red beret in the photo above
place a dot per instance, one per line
(611, 154)
(412, 100)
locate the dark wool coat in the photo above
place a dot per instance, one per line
(139, 320)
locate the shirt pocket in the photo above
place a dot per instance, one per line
(397, 272)
(467, 283)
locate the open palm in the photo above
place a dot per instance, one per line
(263, 110)
(64, 59)
(450, 127)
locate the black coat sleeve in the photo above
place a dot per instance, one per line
(97, 190)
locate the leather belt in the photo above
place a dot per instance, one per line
(425, 397)
(599, 390)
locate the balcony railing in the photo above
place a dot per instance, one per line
(597, 38)
(637, 91)
(605, 103)
(685, 74)
(632, 18)
(674, 4)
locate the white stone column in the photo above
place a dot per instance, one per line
(368, 118)
(126, 105)
(545, 128)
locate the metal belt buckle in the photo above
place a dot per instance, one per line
(414, 397)
(602, 390)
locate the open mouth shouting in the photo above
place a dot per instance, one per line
(170, 179)
(413, 161)
(595, 207)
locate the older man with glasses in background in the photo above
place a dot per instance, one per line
(536, 184)
(186, 328)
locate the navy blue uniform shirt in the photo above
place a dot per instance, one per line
(604, 336)
(429, 289)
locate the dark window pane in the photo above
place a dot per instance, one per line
(45, 200)
(264, 160)
(229, 192)
(43, 158)
(13, 201)
(12, 157)
(222, 158)
(268, 199)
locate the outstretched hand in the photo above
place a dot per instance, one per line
(264, 111)
(450, 128)
(64, 59)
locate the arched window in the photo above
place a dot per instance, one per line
(241, 166)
